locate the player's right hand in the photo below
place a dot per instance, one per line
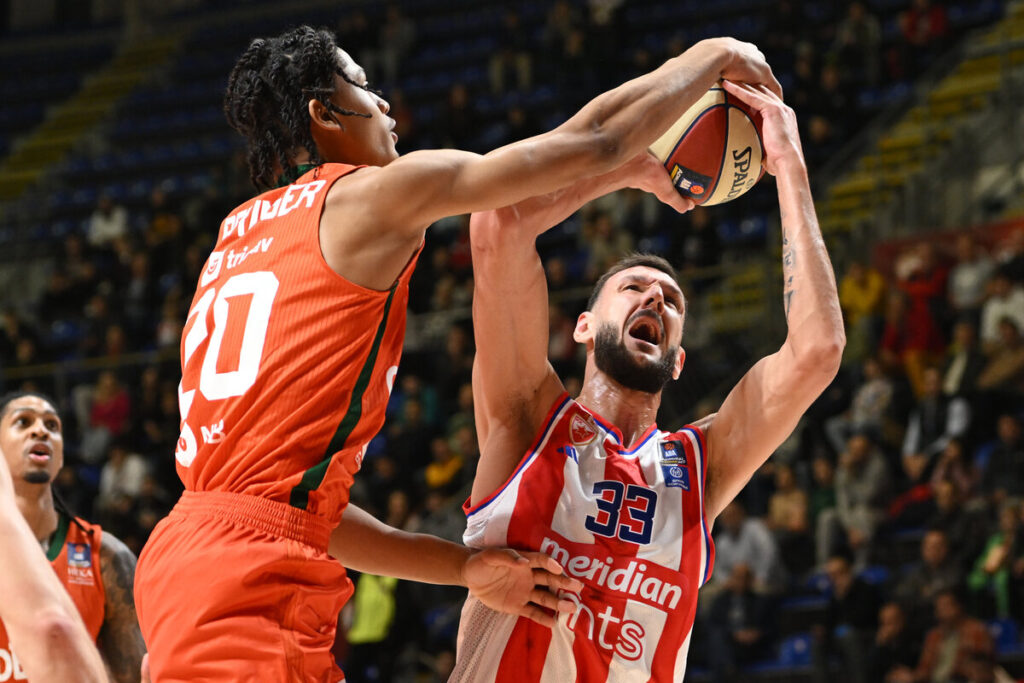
(747, 65)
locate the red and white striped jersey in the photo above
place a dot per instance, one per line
(626, 521)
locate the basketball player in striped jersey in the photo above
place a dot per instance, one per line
(94, 567)
(292, 345)
(624, 506)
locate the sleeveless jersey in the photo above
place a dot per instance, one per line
(286, 365)
(627, 522)
(75, 556)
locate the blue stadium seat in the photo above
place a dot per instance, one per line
(876, 575)
(1005, 634)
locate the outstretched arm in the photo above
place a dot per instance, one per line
(120, 639)
(763, 409)
(380, 211)
(504, 580)
(43, 625)
(513, 382)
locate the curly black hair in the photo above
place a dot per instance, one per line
(267, 95)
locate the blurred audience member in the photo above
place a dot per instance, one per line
(861, 293)
(740, 539)
(994, 581)
(1006, 300)
(862, 491)
(936, 571)
(109, 413)
(1004, 372)
(788, 521)
(1003, 471)
(858, 43)
(107, 223)
(867, 410)
(895, 646)
(738, 623)
(513, 60)
(922, 278)
(950, 647)
(935, 420)
(964, 362)
(849, 624)
(969, 278)
(965, 527)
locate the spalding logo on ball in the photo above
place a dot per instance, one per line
(713, 152)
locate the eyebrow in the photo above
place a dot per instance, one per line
(672, 287)
(16, 411)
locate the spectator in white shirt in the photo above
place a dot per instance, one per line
(969, 278)
(121, 478)
(740, 539)
(108, 222)
(1005, 300)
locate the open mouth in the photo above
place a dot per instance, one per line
(40, 452)
(646, 328)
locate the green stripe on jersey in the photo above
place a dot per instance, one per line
(59, 536)
(314, 476)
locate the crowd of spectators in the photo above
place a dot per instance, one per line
(918, 442)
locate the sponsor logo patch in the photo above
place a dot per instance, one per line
(673, 465)
(690, 182)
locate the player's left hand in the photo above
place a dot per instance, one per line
(779, 131)
(519, 583)
(646, 173)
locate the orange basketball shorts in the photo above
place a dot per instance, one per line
(233, 587)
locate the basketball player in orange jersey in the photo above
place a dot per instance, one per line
(625, 507)
(95, 568)
(292, 345)
(40, 618)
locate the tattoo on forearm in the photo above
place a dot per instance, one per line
(120, 639)
(788, 264)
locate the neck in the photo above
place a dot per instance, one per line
(35, 502)
(629, 410)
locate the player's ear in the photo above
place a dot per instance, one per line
(320, 115)
(680, 360)
(585, 327)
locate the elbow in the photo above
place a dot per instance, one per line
(603, 148)
(55, 627)
(609, 148)
(822, 356)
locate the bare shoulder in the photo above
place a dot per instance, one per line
(704, 424)
(117, 566)
(361, 235)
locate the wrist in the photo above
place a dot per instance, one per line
(466, 554)
(721, 50)
(790, 165)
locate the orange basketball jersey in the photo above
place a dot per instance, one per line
(286, 366)
(75, 556)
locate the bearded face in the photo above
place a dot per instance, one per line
(631, 371)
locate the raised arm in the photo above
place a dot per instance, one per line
(43, 625)
(504, 580)
(513, 382)
(382, 210)
(763, 409)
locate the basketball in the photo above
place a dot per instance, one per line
(713, 152)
